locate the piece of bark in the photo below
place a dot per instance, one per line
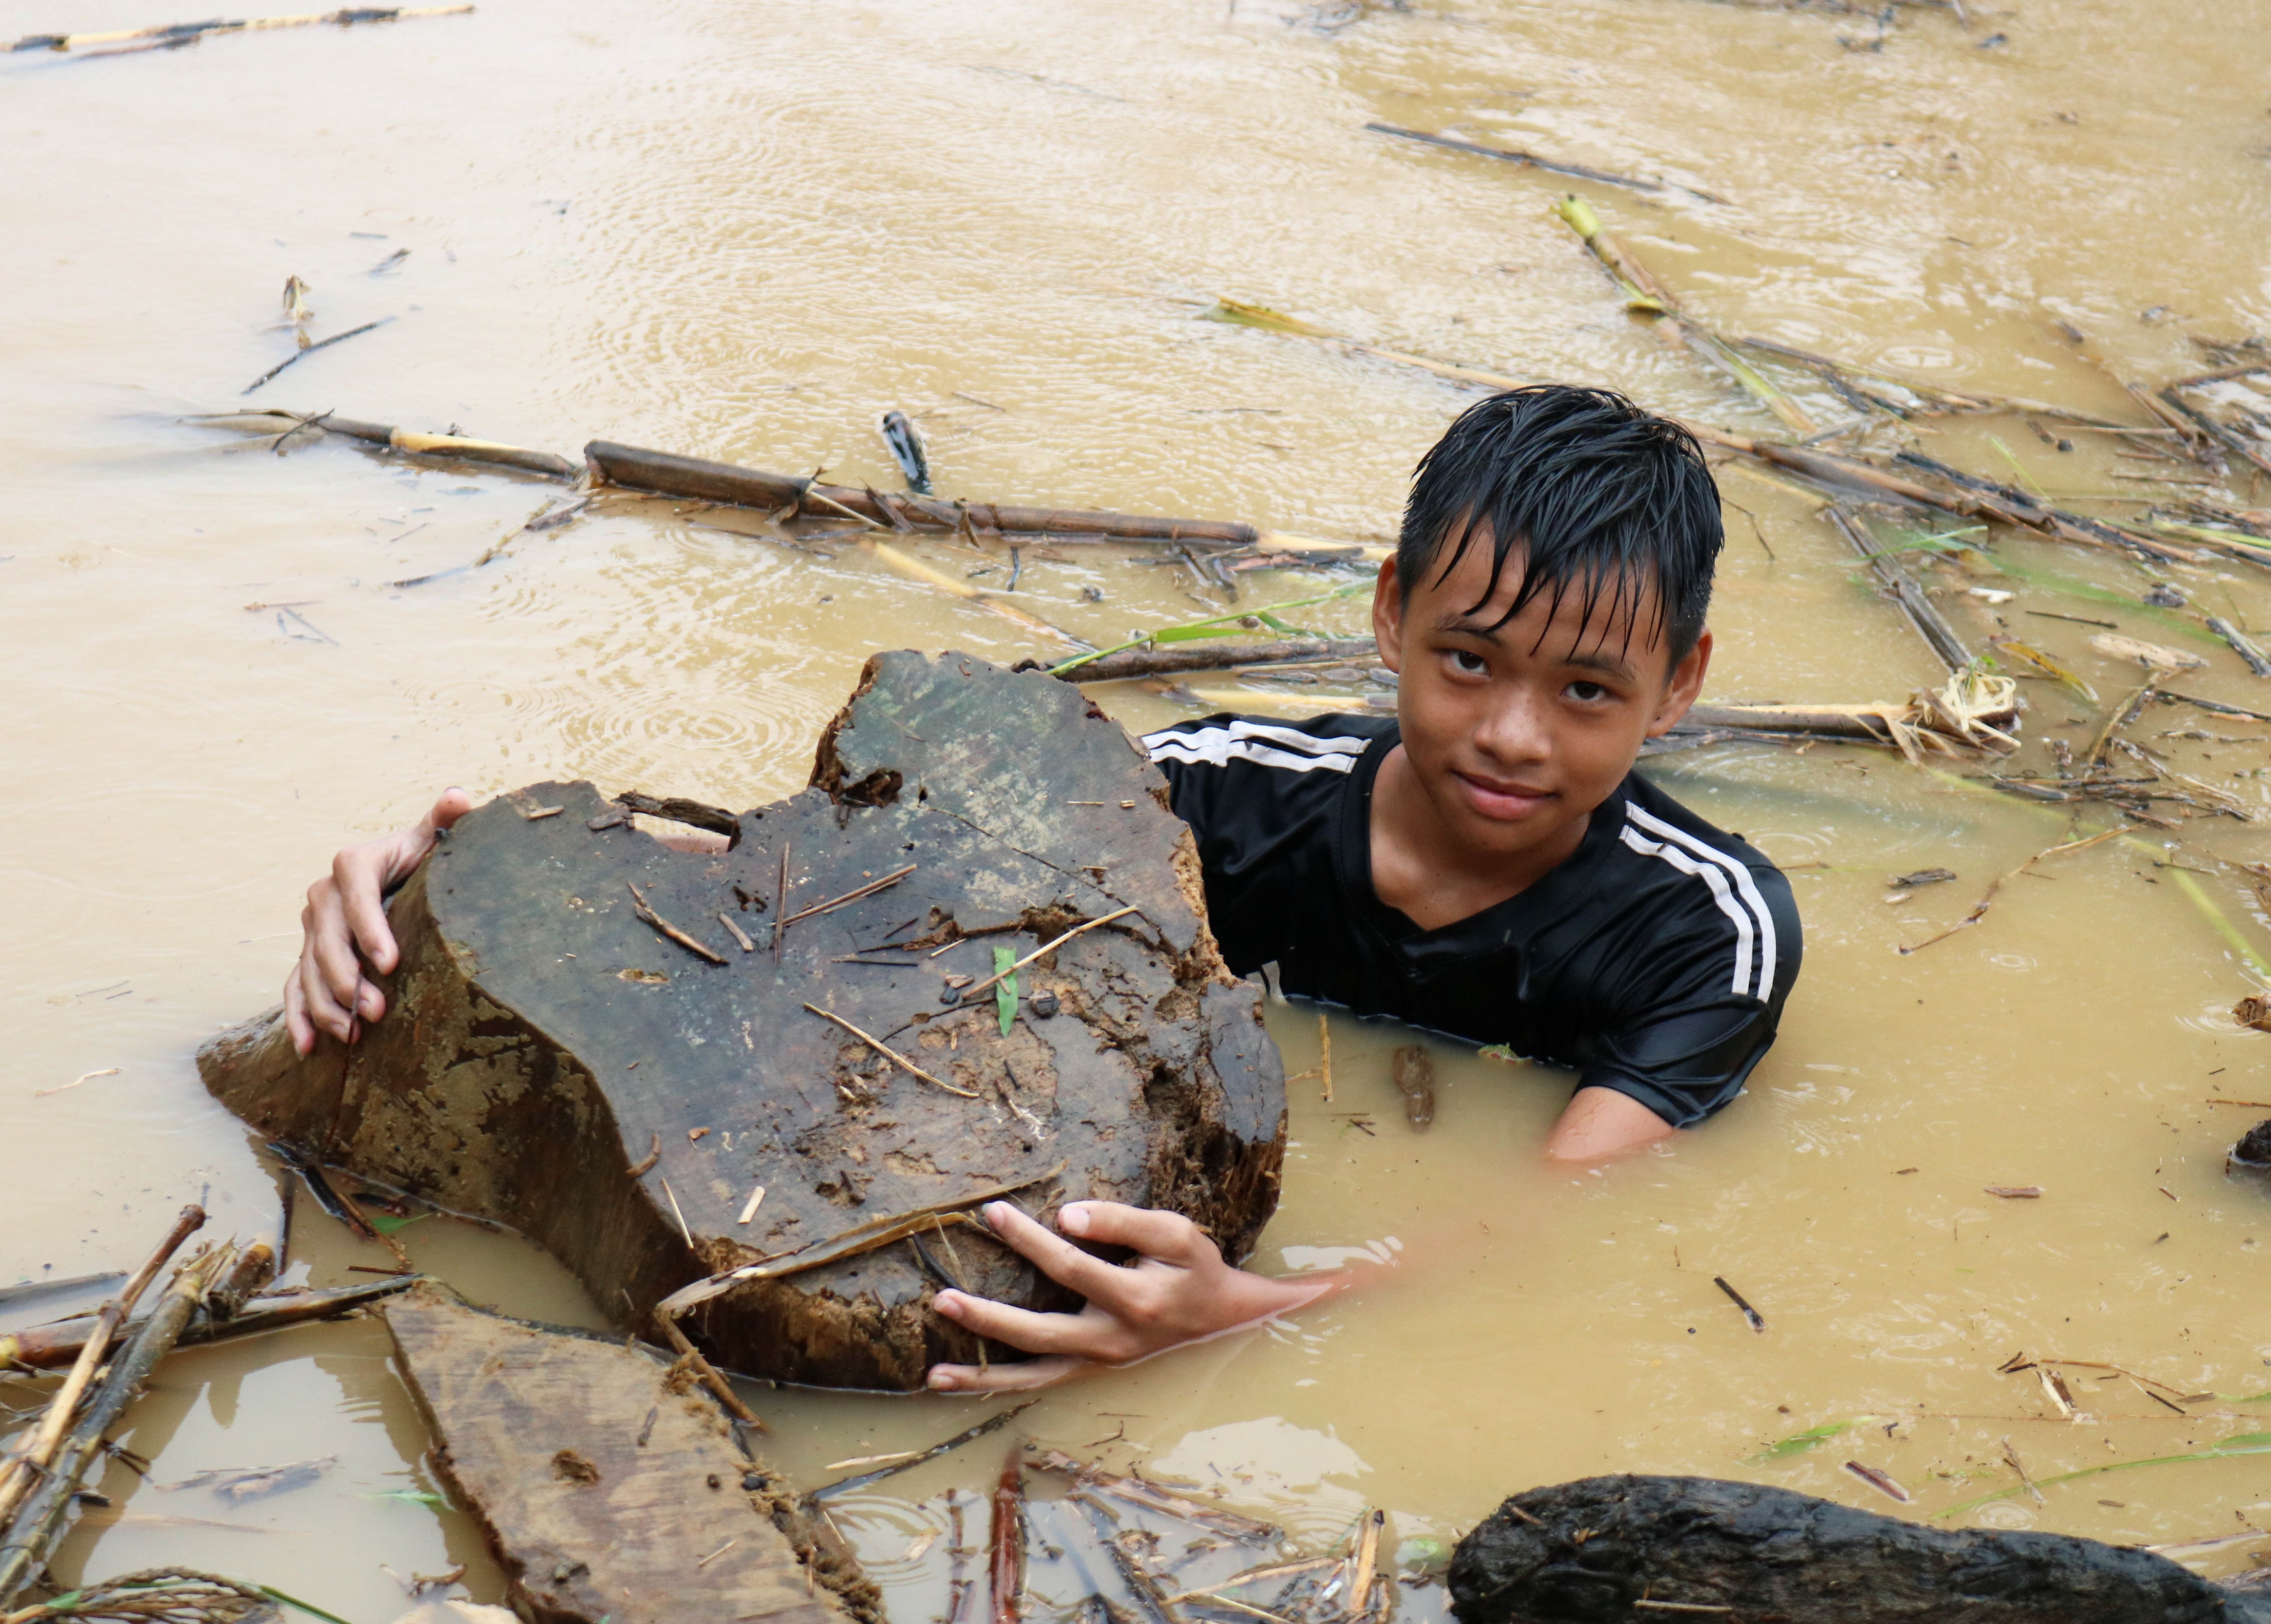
(602, 1480)
(1592, 1549)
(540, 1040)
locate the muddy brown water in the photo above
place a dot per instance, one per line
(742, 232)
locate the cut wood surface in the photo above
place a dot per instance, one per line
(548, 1056)
(608, 1486)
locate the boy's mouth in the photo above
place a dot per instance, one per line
(1500, 800)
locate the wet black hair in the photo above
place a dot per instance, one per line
(1597, 496)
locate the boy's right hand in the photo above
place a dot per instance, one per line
(343, 929)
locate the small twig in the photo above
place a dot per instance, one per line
(42, 1093)
(1007, 971)
(1758, 1321)
(780, 893)
(735, 931)
(707, 1372)
(869, 889)
(893, 1054)
(646, 1163)
(2011, 1454)
(719, 1552)
(302, 354)
(682, 1229)
(649, 916)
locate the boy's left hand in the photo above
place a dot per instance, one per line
(1178, 1289)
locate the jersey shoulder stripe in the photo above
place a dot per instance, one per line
(1260, 741)
(1731, 887)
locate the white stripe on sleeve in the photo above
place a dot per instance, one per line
(1260, 743)
(1718, 870)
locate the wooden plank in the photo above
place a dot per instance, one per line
(608, 1487)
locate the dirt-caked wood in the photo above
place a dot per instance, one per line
(552, 1060)
(609, 1487)
(1635, 1546)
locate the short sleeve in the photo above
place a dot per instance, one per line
(1702, 1008)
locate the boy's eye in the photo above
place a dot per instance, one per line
(1467, 662)
(1587, 692)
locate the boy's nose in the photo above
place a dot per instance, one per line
(1516, 730)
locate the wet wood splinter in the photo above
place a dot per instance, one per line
(869, 889)
(648, 916)
(890, 1054)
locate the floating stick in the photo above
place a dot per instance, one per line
(185, 33)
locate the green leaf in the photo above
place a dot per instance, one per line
(1214, 626)
(387, 1223)
(1005, 991)
(2238, 1443)
(415, 1496)
(1498, 1051)
(1798, 1443)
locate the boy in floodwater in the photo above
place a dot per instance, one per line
(1485, 863)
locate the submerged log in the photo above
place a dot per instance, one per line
(1633, 1548)
(607, 1485)
(614, 1073)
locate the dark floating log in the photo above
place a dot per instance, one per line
(607, 1487)
(1637, 1548)
(551, 1061)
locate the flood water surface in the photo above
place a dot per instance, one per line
(742, 232)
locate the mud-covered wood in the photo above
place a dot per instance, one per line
(1589, 1551)
(550, 1061)
(608, 1488)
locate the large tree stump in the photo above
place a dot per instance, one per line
(542, 1043)
(602, 1480)
(1629, 1548)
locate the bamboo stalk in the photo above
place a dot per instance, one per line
(1645, 293)
(1151, 1498)
(409, 442)
(33, 1455)
(40, 1515)
(1510, 155)
(49, 1347)
(2226, 436)
(1930, 624)
(669, 475)
(1006, 1569)
(183, 33)
(1169, 662)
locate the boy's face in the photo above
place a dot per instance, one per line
(1515, 732)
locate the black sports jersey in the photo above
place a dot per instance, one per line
(1654, 960)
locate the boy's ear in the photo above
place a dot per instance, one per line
(1687, 683)
(1387, 616)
